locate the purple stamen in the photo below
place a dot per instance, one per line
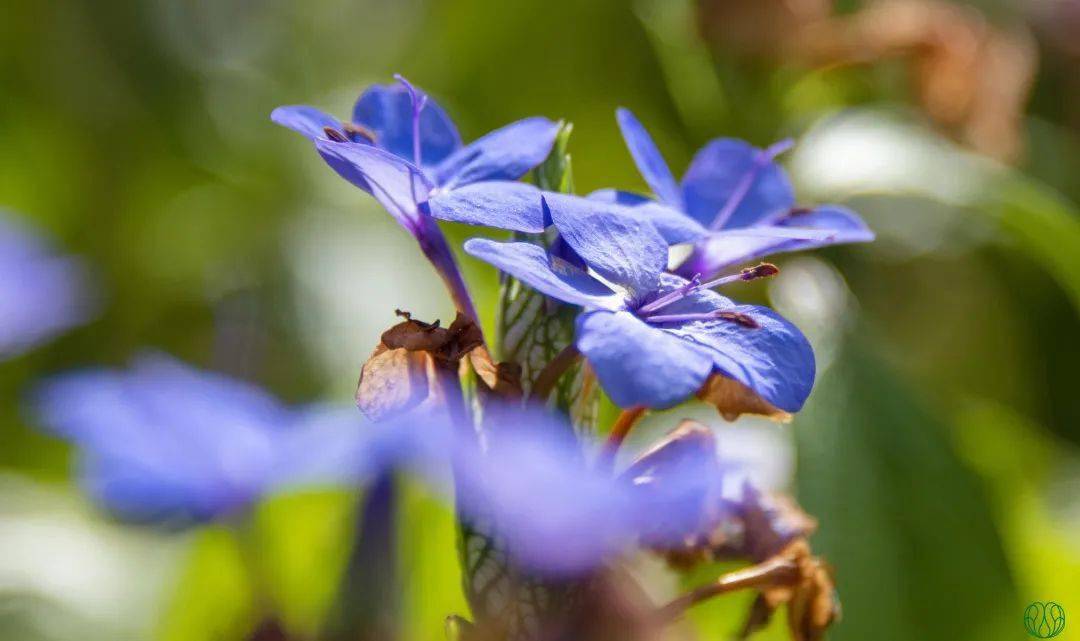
(761, 160)
(735, 317)
(355, 131)
(671, 297)
(334, 134)
(419, 101)
(763, 270)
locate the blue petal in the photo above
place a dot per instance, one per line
(504, 154)
(641, 365)
(722, 250)
(499, 204)
(398, 185)
(386, 110)
(41, 293)
(305, 120)
(774, 359)
(167, 440)
(532, 265)
(675, 226)
(677, 485)
(622, 249)
(714, 175)
(330, 446)
(648, 159)
(576, 515)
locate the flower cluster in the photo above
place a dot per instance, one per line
(545, 512)
(653, 333)
(652, 337)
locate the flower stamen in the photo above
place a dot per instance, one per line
(335, 135)
(762, 270)
(667, 299)
(738, 318)
(354, 130)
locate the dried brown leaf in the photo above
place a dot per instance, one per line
(732, 399)
(402, 370)
(393, 381)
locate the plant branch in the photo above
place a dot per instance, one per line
(619, 430)
(553, 371)
(776, 571)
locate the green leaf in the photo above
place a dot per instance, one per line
(1045, 225)
(213, 598)
(429, 565)
(301, 544)
(554, 173)
(903, 521)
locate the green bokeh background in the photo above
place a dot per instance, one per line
(940, 450)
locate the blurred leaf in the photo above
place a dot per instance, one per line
(1046, 226)
(903, 521)
(688, 69)
(1038, 540)
(429, 564)
(302, 544)
(213, 599)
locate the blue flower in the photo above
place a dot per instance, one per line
(741, 196)
(532, 487)
(403, 149)
(41, 294)
(166, 442)
(653, 338)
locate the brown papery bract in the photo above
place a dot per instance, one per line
(732, 399)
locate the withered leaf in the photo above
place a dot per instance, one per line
(771, 521)
(504, 379)
(811, 598)
(757, 527)
(732, 399)
(403, 369)
(393, 381)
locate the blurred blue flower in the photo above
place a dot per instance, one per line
(41, 294)
(403, 149)
(656, 340)
(741, 196)
(554, 512)
(532, 487)
(165, 442)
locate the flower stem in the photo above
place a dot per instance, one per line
(619, 430)
(437, 251)
(553, 371)
(777, 571)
